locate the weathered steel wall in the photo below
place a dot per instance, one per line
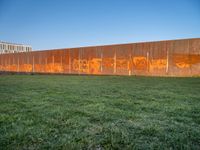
(164, 58)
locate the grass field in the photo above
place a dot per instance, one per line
(99, 112)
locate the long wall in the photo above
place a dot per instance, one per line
(163, 58)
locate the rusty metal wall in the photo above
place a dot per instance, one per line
(164, 58)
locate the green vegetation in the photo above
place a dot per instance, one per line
(99, 112)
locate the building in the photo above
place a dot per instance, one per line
(6, 47)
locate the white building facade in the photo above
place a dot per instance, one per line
(6, 47)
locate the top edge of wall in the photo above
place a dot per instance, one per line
(142, 42)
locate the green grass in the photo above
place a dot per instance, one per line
(99, 112)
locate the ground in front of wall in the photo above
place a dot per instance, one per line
(99, 112)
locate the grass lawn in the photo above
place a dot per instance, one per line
(99, 112)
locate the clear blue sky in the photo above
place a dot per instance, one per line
(47, 24)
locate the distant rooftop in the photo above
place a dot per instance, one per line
(8, 47)
(11, 43)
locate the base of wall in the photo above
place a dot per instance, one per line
(67, 74)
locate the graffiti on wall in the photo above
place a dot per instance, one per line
(186, 60)
(92, 66)
(158, 64)
(139, 63)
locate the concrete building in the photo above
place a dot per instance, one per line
(6, 47)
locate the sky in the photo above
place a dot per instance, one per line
(49, 24)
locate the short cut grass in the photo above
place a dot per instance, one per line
(99, 112)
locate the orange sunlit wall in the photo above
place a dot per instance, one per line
(163, 58)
